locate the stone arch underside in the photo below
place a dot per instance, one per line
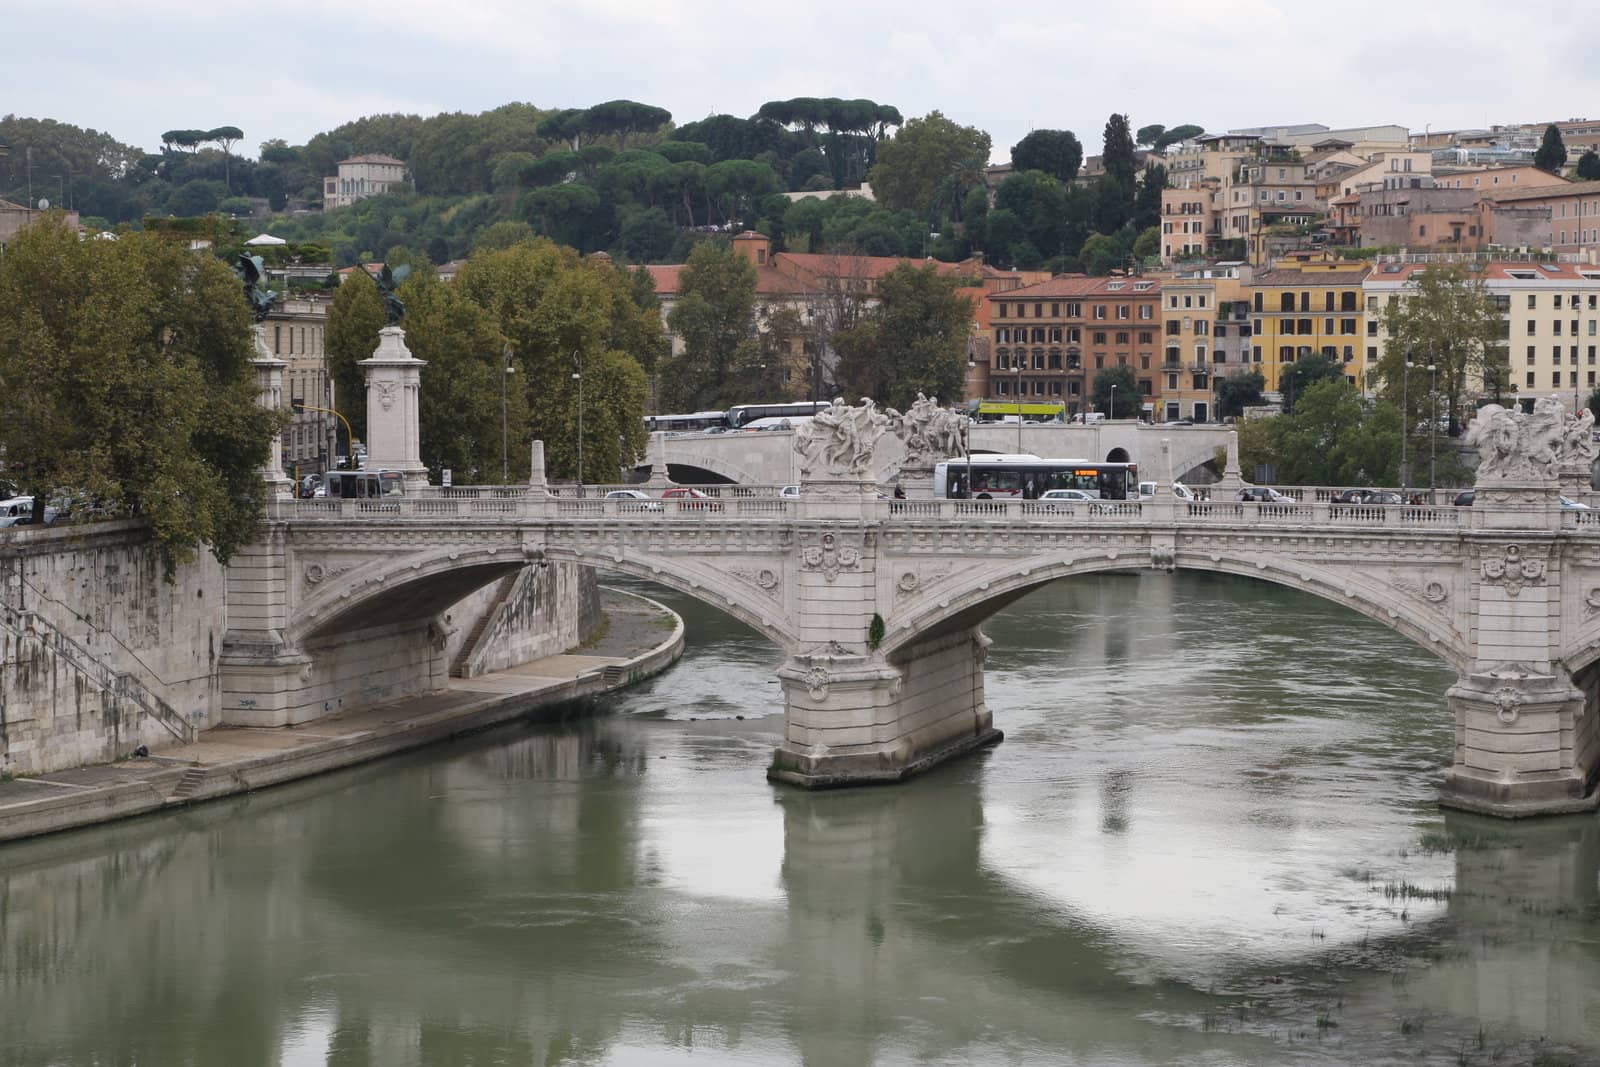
(417, 586)
(979, 594)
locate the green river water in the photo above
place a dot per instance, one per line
(1209, 837)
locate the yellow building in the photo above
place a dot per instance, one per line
(1205, 334)
(1311, 309)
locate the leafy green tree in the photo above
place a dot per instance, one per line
(1116, 155)
(560, 314)
(1175, 135)
(714, 316)
(1446, 317)
(1054, 152)
(1297, 380)
(1148, 244)
(503, 234)
(914, 340)
(1235, 392)
(226, 137)
(126, 374)
(354, 319)
(931, 161)
(735, 185)
(1127, 392)
(623, 118)
(1335, 437)
(1039, 203)
(1148, 135)
(1552, 153)
(1589, 166)
(1147, 201)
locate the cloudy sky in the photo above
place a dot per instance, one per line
(290, 69)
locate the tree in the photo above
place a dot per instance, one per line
(914, 340)
(1594, 403)
(226, 137)
(1174, 135)
(464, 386)
(1552, 153)
(560, 314)
(930, 162)
(1589, 166)
(1335, 437)
(126, 374)
(1148, 135)
(354, 319)
(1039, 203)
(1126, 392)
(714, 315)
(1055, 152)
(1116, 157)
(1446, 317)
(1235, 392)
(1301, 375)
(1147, 201)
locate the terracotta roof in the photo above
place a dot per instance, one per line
(864, 266)
(372, 268)
(1309, 278)
(666, 276)
(1080, 285)
(373, 157)
(1539, 192)
(1490, 272)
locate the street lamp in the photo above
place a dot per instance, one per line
(1433, 424)
(1017, 363)
(577, 376)
(1405, 419)
(1111, 409)
(505, 455)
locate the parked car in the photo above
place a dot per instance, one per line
(18, 511)
(1368, 496)
(1051, 499)
(1465, 498)
(1573, 505)
(634, 500)
(790, 492)
(1263, 494)
(1179, 490)
(692, 499)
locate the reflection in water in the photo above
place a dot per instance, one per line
(1208, 838)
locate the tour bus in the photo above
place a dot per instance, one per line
(1028, 411)
(694, 422)
(364, 485)
(988, 477)
(740, 414)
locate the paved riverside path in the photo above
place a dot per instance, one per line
(641, 638)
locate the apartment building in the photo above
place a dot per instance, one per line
(1552, 321)
(1189, 223)
(1205, 332)
(1573, 210)
(295, 332)
(1310, 309)
(1049, 341)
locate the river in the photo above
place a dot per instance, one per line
(1209, 837)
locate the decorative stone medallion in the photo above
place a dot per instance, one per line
(1513, 572)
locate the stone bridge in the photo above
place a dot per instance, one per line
(877, 605)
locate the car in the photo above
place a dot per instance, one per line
(1147, 490)
(1368, 496)
(1055, 499)
(18, 511)
(691, 499)
(790, 492)
(1263, 494)
(633, 500)
(1465, 498)
(1573, 505)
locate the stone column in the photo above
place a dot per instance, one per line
(536, 481)
(1232, 476)
(269, 394)
(394, 385)
(655, 454)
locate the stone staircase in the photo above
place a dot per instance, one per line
(106, 679)
(458, 666)
(187, 786)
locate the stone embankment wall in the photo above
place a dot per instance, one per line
(99, 653)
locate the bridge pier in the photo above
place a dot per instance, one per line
(863, 720)
(1526, 743)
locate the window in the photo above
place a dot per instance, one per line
(1286, 302)
(1147, 312)
(1144, 362)
(1074, 311)
(1055, 311)
(1202, 327)
(1188, 301)
(1172, 381)
(1285, 353)
(1533, 327)
(1531, 383)
(1557, 327)
(1146, 337)
(1327, 325)
(1372, 353)
(1327, 301)
(1122, 311)
(1122, 337)
(1099, 311)
(1372, 327)
(1531, 358)
(1099, 337)
(1555, 378)
(1255, 353)
(1038, 311)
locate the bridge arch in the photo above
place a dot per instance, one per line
(418, 585)
(969, 601)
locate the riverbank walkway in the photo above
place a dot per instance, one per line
(640, 638)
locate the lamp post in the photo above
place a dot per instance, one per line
(577, 376)
(505, 455)
(966, 438)
(1017, 363)
(1433, 424)
(1111, 408)
(1405, 419)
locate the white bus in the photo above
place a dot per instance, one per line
(694, 422)
(1022, 476)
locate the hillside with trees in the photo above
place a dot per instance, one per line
(623, 177)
